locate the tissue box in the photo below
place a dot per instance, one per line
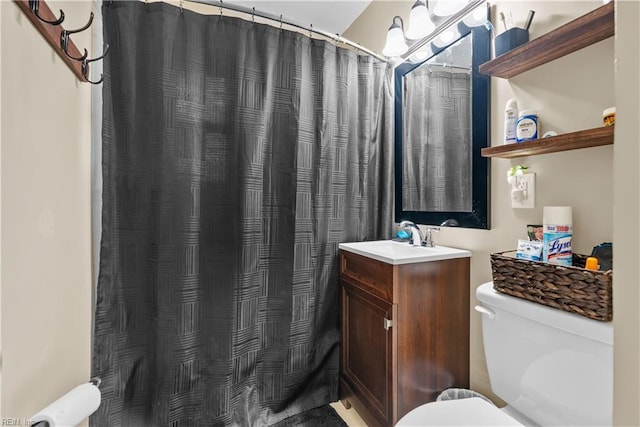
(510, 39)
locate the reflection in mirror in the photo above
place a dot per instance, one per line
(437, 106)
(441, 119)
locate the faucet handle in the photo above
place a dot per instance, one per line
(449, 223)
(428, 236)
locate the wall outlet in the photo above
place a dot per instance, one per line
(523, 192)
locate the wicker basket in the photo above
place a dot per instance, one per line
(573, 289)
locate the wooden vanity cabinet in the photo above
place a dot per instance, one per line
(405, 334)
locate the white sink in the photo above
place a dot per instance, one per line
(393, 252)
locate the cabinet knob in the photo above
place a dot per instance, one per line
(387, 323)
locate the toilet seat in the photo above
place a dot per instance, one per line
(461, 412)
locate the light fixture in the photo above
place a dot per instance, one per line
(420, 24)
(395, 45)
(448, 7)
(421, 28)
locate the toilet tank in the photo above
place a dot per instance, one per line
(554, 367)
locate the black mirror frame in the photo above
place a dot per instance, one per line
(479, 217)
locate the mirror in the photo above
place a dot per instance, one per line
(441, 124)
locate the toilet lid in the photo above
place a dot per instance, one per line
(461, 412)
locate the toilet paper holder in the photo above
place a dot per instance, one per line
(72, 408)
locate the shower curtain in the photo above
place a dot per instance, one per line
(437, 167)
(236, 156)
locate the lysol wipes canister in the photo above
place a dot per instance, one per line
(557, 225)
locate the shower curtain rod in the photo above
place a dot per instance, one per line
(265, 15)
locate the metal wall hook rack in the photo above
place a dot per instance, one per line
(41, 16)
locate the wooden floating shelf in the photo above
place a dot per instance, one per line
(584, 31)
(565, 142)
(51, 33)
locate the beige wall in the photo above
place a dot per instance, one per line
(45, 281)
(569, 94)
(0, 218)
(626, 230)
(45, 202)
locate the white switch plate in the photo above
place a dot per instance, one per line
(526, 182)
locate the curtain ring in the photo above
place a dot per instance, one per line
(181, 10)
(221, 8)
(280, 21)
(310, 31)
(253, 15)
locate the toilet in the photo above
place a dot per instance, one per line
(551, 367)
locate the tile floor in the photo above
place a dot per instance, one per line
(350, 416)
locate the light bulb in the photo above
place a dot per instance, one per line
(395, 44)
(421, 54)
(476, 18)
(420, 24)
(445, 39)
(448, 7)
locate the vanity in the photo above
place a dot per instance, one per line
(405, 326)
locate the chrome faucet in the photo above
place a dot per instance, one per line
(416, 235)
(428, 238)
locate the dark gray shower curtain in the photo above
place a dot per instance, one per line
(236, 156)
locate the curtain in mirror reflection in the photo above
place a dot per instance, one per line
(437, 157)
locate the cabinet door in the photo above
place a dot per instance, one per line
(367, 351)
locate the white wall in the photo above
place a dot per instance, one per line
(45, 214)
(570, 94)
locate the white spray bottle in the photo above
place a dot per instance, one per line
(510, 120)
